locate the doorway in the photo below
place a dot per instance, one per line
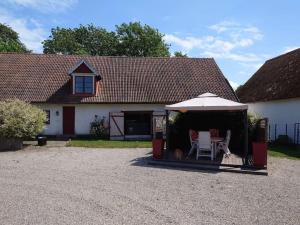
(68, 120)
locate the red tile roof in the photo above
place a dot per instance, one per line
(278, 78)
(44, 78)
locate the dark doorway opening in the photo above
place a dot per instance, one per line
(137, 123)
(68, 120)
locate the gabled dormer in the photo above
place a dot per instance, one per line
(85, 79)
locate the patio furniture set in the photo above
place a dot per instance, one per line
(209, 143)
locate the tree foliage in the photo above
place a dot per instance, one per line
(83, 40)
(20, 120)
(9, 40)
(180, 54)
(131, 39)
(138, 40)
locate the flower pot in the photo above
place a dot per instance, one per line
(10, 144)
(158, 148)
(259, 154)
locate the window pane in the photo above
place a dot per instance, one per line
(79, 84)
(88, 90)
(79, 80)
(88, 85)
(83, 84)
(79, 89)
(88, 80)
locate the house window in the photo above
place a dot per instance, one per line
(47, 116)
(83, 85)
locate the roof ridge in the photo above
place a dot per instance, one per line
(284, 54)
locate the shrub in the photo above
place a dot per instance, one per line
(99, 128)
(283, 140)
(20, 120)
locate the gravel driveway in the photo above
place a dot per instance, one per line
(90, 186)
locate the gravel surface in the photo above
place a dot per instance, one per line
(114, 186)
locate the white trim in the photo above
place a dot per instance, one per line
(79, 63)
(74, 75)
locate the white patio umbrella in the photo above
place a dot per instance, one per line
(207, 102)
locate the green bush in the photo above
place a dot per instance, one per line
(99, 129)
(20, 120)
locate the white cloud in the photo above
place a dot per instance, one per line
(247, 57)
(30, 31)
(235, 30)
(227, 43)
(234, 85)
(223, 26)
(43, 5)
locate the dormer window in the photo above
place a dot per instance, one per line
(85, 79)
(84, 84)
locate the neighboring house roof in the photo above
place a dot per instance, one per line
(278, 78)
(44, 78)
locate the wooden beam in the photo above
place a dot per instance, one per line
(245, 133)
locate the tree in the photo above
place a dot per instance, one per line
(180, 54)
(83, 40)
(9, 40)
(131, 39)
(138, 40)
(20, 120)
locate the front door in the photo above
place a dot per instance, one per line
(68, 120)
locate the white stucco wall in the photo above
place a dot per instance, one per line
(281, 112)
(85, 114)
(56, 125)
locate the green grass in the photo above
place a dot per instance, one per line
(92, 143)
(290, 152)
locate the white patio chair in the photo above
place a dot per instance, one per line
(223, 146)
(205, 148)
(193, 142)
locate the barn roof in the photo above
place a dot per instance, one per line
(278, 78)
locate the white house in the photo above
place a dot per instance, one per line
(129, 92)
(274, 92)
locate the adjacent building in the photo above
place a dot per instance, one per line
(274, 92)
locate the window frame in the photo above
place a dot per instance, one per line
(92, 76)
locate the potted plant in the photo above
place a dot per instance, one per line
(258, 144)
(18, 121)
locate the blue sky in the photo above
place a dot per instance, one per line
(239, 34)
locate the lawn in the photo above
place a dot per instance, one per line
(289, 152)
(92, 143)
